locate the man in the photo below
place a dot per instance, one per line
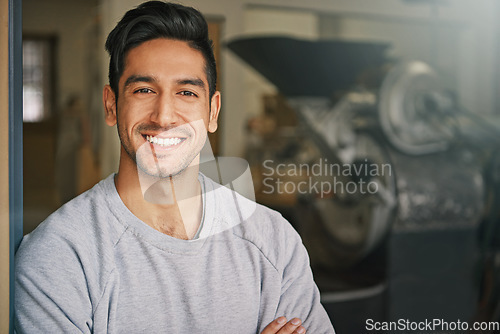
(159, 247)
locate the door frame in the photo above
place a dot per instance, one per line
(11, 154)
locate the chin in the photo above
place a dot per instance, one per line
(161, 171)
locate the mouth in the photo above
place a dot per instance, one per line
(164, 142)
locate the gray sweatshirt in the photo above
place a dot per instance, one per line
(94, 267)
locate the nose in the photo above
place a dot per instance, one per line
(165, 113)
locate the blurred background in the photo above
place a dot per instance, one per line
(401, 96)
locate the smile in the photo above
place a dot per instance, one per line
(164, 142)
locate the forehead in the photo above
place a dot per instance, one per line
(163, 57)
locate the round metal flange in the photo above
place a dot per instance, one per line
(410, 102)
(360, 213)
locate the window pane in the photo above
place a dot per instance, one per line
(36, 80)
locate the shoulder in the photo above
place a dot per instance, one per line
(257, 225)
(272, 234)
(82, 230)
(85, 218)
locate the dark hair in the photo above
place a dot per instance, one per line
(158, 19)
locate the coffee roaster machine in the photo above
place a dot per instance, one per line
(423, 241)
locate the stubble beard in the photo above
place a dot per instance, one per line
(157, 170)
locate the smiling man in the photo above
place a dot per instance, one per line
(163, 112)
(159, 247)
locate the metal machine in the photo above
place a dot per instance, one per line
(415, 244)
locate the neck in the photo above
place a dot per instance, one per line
(171, 205)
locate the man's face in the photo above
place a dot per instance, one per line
(163, 110)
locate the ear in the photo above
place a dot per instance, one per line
(109, 100)
(214, 112)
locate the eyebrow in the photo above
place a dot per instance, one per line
(149, 79)
(138, 78)
(193, 82)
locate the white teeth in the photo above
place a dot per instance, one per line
(163, 141)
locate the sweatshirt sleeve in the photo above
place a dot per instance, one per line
(51, 292)
(299, 294)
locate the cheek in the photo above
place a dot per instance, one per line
(127, 116)
(200, 127)
(193, 111)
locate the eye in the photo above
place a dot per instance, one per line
(187, 93)
(143, 91)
